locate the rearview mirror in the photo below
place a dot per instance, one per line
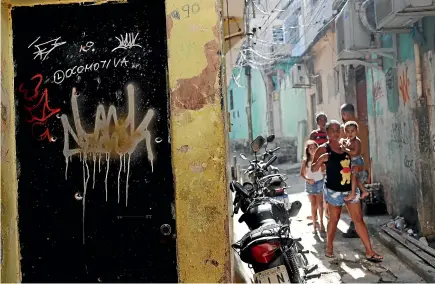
(270, 138)
(257, 143)
(243, 156)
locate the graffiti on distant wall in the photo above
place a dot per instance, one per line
(389, 78)
(404, 85)
(397, 135)
(377, 91)
(409, 163)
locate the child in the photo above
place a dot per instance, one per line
(313, 184)
(352, 146)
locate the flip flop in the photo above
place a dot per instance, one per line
(375, 258)
(329, 255)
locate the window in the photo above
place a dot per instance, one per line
(291, 29)
(231, 100)
(319, 91)
(278, 34)
(238, 114)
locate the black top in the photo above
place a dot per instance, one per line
(338, 172)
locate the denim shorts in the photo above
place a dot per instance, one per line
(316, 188)
(357, 161)
(363, 176)
(336, 198)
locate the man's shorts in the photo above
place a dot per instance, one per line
(316, 188)
(336, 198)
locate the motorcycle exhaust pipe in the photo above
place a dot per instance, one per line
(295, 208)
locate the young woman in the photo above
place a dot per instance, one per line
(338, 172)
(313, 184)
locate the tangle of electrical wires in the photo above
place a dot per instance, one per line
(265, 54)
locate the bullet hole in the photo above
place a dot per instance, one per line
(78, 196)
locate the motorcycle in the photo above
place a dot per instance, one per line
(258, 169)
(269, 248)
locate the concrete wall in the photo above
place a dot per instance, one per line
(293, 108)
(401, 126)
(324, 57)
(238, 115)
(198, 146)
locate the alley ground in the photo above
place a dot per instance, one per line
(350, 265)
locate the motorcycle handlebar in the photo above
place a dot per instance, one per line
(273, 159)
(274, 150)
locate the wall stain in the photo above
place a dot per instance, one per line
(184, 149)
(169, 25)
(196, 92)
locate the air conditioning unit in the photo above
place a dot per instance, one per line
(392, 14)
(299, 76)
(351, 35)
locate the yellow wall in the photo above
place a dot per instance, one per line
(10, 250)
(198, 145)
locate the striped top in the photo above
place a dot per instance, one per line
(319, 136)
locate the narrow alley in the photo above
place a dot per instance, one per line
(349, 266)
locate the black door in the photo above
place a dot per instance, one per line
(96, 193)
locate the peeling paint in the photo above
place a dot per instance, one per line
(196, 92)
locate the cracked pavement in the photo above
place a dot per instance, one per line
(349, 264)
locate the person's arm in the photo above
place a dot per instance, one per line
(313, 135)
(303, 169)
(320, 157)
(354, 150)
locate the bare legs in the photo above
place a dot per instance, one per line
(316, 201)
(356, 182)
(319, 203)
(334, 217)
(355, 213)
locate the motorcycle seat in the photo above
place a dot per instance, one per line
(276, 180)
(266, 230)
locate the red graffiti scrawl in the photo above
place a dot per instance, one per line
(39, 111)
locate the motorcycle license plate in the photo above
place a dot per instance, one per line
(274, 275)
(284, 198)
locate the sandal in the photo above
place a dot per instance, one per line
(375, 258)
(329, 255)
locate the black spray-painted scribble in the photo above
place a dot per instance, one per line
(408, 163)
(44, 49)
(389, 79)
(397, 135)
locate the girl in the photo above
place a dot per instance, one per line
(313, 184)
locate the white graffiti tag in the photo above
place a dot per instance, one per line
(110, 136)
(126, 42)
(44, 49)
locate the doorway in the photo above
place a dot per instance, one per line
(96, 191)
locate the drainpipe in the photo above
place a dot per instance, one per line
(418, 64)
